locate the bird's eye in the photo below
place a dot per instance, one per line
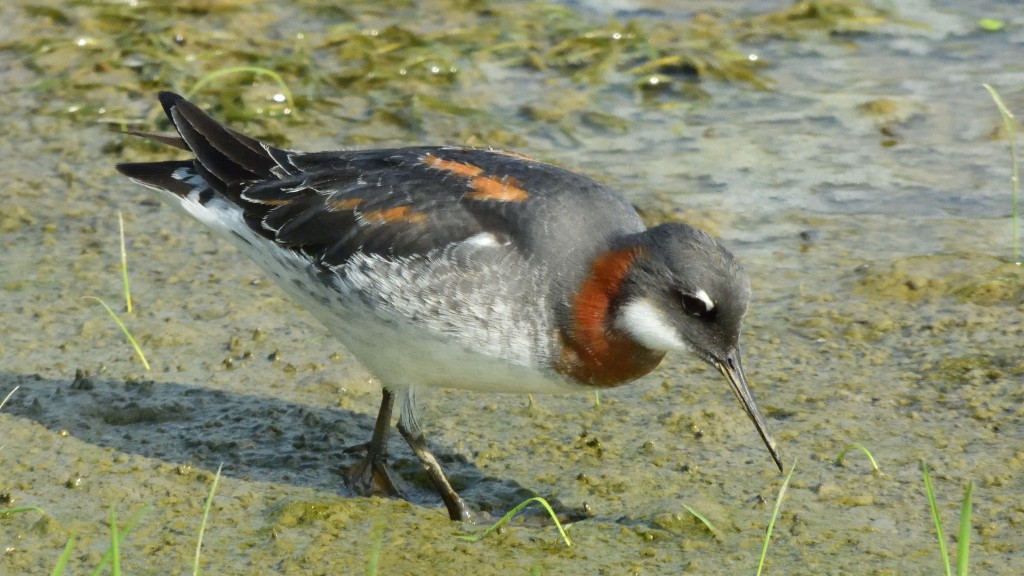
(698, 304)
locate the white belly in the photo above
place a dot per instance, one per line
(417, 322)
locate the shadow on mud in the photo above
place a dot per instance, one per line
(257, 438)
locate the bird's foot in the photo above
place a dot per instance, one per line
(372, 476)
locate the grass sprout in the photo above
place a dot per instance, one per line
(127, 296)
(206, 516)
(991, 24)
(775, 516)
(124, 329)
(8, 397)
(124, 265)
(112, 555)
(703, 520)
(115, 545)
(373, 564)
(65, 556)
(930, 491)
(21, 509)
(842, 455)
(964, 534)
(1007, 116)
(4, 402)
(511, 514)
(118, 534)
(963, 541)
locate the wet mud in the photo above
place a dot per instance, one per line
(866, 191)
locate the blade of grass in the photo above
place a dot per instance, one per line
(257, 70)
(373, 564)
(124, 265)
(930, 490)
(8, 397)
(20, 509)
(1007, 117)
(115, 545)
(3, 402)
(775, 516)
(839, 459)
(65, 556)
(202, 523)
(703, 520)
(108, 557)
(124, 329)
(511, 514)
(991, 24)
(963, 545)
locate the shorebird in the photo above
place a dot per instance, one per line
(468, 268)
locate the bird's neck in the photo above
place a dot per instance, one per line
(594, 350)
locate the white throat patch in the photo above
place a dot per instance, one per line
(647, 324)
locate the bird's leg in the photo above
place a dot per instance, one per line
(418, 442)
(372, 475)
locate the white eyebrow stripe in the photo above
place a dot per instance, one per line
(701, 295)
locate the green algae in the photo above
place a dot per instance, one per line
(93, 59)
(982, 281)
(289, 513)
(834, 17)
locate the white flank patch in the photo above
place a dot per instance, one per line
(481, 240)
(188, 176)
(647, 325)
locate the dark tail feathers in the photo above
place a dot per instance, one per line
(223, 157)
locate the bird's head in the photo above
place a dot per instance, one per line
(685, 291)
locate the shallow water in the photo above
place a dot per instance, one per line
(864, 193)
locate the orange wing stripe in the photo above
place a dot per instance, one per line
(506, 189)
(466, 170)
(396, 214)
(500, 189)
(344, 204)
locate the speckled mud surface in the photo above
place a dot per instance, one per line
(865, 193)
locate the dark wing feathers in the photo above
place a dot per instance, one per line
(384, 204)
(328, 205)
(397, 202)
